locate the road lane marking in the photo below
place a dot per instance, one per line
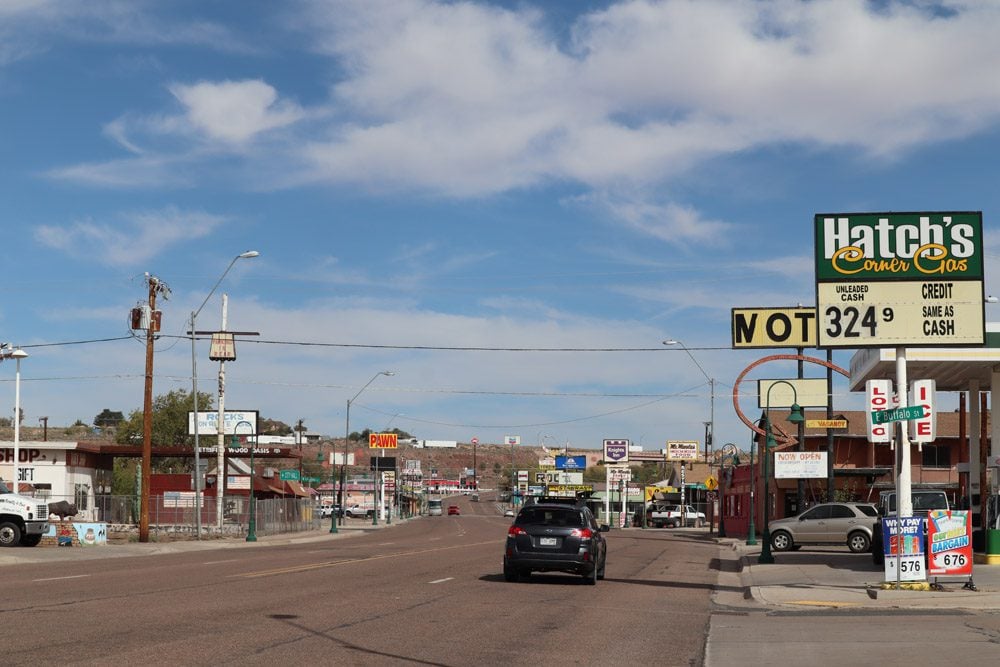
(345, 561)
(216, 562)
(72, 576)
(440, 581)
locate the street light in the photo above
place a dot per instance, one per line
(710, 434)
(751, 529)
(17, 354)
(220, 474)
(732, 451)
(795, 417)
(343, 463)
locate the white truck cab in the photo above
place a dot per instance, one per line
(23, 520)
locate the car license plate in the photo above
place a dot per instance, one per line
(547, 541)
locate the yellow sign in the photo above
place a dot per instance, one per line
(826, 423)
(711, 483)
(383, 440)
(774, 327)
(650, 490)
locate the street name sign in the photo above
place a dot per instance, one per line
(898, 414)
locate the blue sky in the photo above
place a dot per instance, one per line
(421, 175)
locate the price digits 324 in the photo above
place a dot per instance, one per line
(851, 321)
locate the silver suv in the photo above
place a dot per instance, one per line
(827, 523)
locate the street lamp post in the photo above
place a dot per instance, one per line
(17, 354)
(751, 529)
(252, 514)
(730, 450)
(194, 396)
(795, 417)
(343, 463)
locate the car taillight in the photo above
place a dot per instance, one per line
(514, 531)
(585, 533)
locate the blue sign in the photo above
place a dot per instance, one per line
(571, 462)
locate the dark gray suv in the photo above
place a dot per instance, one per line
(555, 537)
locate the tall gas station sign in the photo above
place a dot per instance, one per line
(900, 279)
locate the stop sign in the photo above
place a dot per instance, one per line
(475, 441)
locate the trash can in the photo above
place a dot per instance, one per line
(993, 542)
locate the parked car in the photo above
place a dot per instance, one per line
(453, 509)
(508, 512)
(827, 523)
(555, 537)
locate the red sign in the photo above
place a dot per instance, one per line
(383, 440)
(949, 542)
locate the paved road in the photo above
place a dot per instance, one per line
(425, 591)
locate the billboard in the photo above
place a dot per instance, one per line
(571, 462)
(208, 422)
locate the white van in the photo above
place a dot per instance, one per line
(434, 507)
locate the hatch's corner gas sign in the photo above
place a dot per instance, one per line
(899, 279)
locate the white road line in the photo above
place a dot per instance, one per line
(440, 581)
(74, 576)
(216, 562)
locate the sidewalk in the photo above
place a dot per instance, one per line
(835, 578)
(18, 555)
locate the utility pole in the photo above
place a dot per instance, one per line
(220, 443)
(45, 428)
(151, 322)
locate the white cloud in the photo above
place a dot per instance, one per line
(142, 236)
(471, 99)
(235, 111)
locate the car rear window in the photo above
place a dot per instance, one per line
(868, 510)
(549, 516)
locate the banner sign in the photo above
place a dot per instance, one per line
(616, 451)
(900, 279)
(799, 465)
(949, 534)
(879, 397)
(924, 429)
(571, 462)
(903, 541)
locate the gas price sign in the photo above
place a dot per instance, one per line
(895, 279)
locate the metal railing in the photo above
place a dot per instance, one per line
(175, 513)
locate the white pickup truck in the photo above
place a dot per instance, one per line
(359, 512)
(672, 516)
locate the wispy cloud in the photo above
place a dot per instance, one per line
(132, 241)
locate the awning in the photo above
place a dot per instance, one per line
(297, 488)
